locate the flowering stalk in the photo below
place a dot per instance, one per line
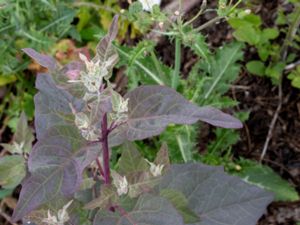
(105, 149)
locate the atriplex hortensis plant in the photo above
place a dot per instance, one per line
(79, 118)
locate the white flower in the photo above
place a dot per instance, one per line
(18, 147)
(122, 186)
(120, 183)
(61, 218)
(148, 4)
(248, 11)
(155, 170)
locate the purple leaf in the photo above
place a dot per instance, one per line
(55, 165)
(149, 209)
(152, 108)
(105, 51)
(52, 105)
(43, 60)
(217, 198)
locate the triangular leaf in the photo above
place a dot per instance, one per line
(24, 134)
(55, 165)
(52, 105)
(131, 161)
(152, 108)
(217, 198)
(162, 157)
(12, 171)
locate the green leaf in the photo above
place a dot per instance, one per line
(12, 171)
(275, 71)
(248, 20)
(162, 157)
(265, 177)
(294, 76)
(24, 133)
(256, 67)
(270, 34)
(180, 202)
(224, 68)
(247, 34)
(263, 52)
(7, 79)
(23, 137)
(5, 192)
(131, 161)
(197, 43)
(142, 69)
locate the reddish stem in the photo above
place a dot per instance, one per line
(105, 149)
(100, 167)
(126, 215)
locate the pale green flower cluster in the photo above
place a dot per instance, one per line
(156, 170)
(61, 218)
(92, 78)
(120, 183)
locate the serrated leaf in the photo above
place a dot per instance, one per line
(196, 42)
(266, 178)
(52, 105)
(180, 202)
(149, 209)
(12, 171)
(142, 69)
(152, 108)
(224, 69)
(217, 198)
(55, 165)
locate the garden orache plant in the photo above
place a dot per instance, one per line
(79, 118)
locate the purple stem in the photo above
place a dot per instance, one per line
(105, 149)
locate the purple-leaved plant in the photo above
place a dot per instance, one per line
(79, 117)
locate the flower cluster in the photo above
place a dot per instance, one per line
(156, 170)
(61, 218)
(148, 4)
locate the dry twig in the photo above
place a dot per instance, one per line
(284, 51)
